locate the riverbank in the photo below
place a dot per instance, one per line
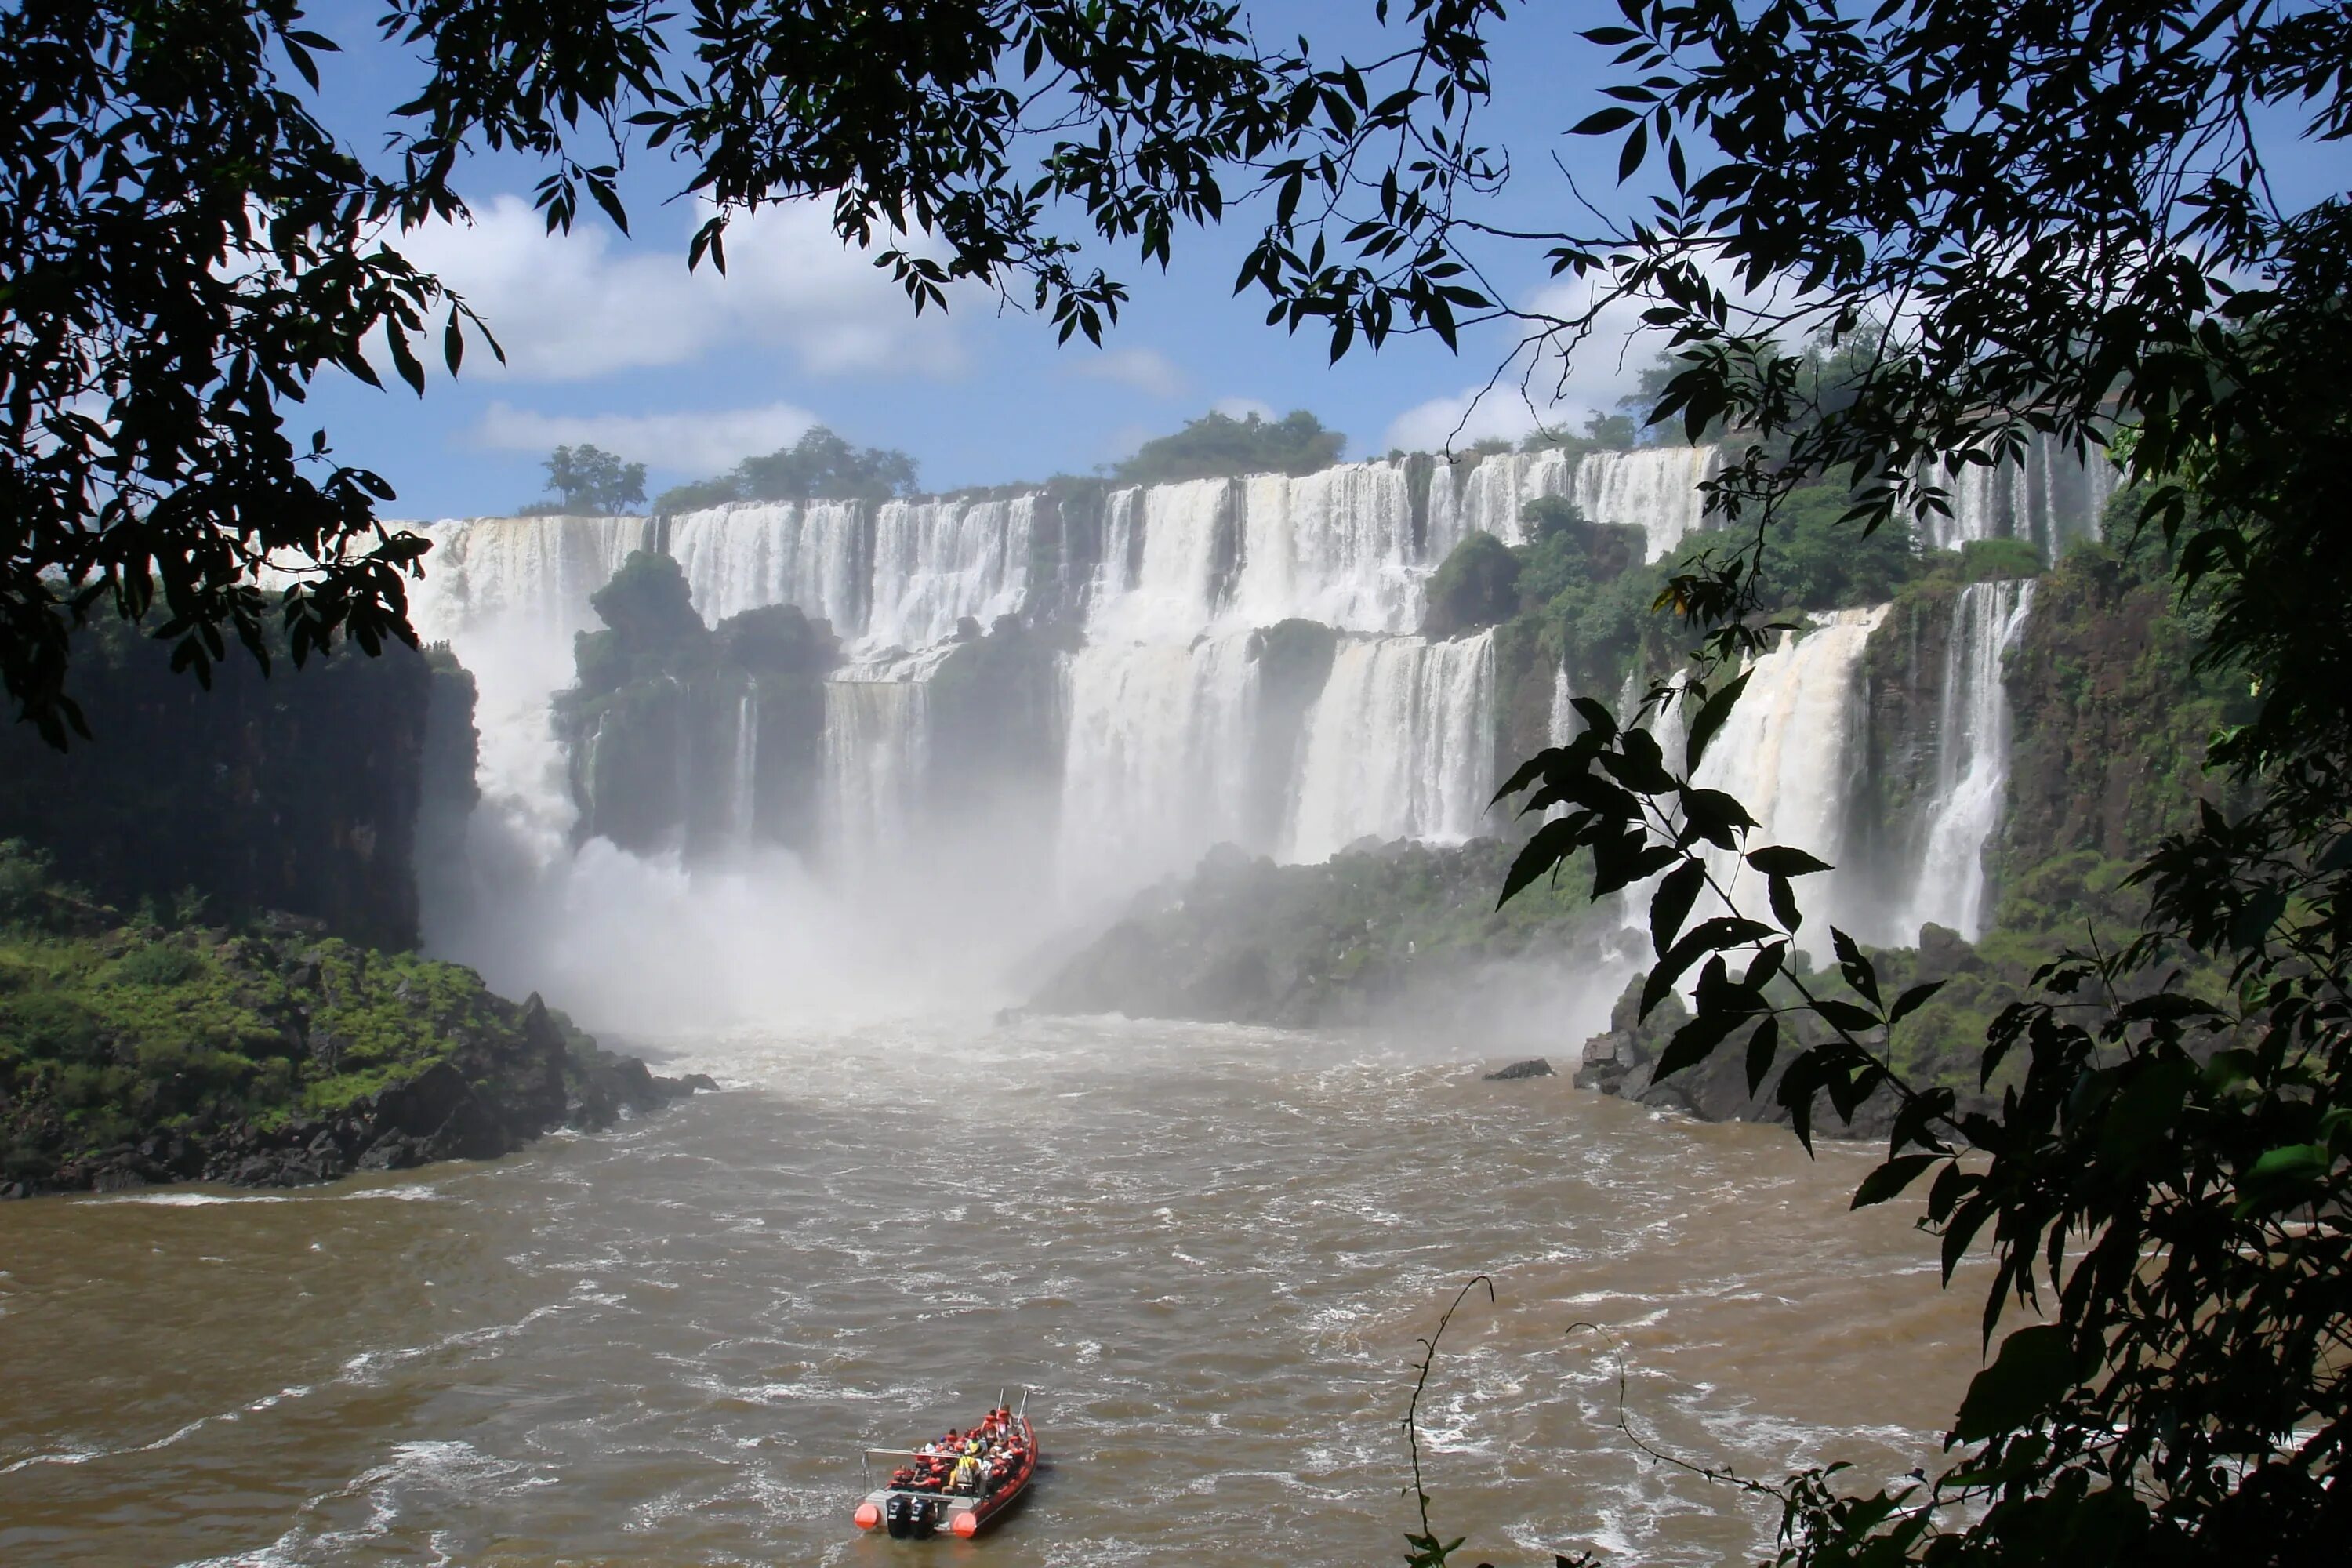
(140, 1051)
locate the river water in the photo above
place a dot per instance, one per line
(1208, 1251)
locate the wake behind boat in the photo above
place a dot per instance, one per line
(957, 1483)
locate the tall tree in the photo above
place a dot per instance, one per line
(2009, 222)
(587, 478)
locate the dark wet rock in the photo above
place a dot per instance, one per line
(1533, 1067)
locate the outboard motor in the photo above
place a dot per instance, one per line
(927, 1520)
(898, 1514)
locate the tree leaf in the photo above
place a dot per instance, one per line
(1695, 1041)
(1856, 968)
(1670, 904)
(1889, 1180)
(2033, 1372)
(1912, 998)
(1779, 860)
(1711, 719)
(1602, 122)
(1762, 1047)
(1854, 1020)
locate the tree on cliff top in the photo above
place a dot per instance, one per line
(590, 479)
(820, 465)
(1218, 446)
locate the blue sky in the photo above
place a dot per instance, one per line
(611, 340)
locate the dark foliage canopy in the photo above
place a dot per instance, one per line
(2002, 223)
(187, 248)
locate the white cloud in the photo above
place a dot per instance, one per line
(1542, 388)
(1148, 371)
(691, 442)
(1243, 409)
(567, 307)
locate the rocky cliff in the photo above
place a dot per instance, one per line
(133, 1053)
(679, 735)
(1377, 932)
(299, 789)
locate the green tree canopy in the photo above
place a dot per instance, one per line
(1218, 446)
(820, 465)
(590, 479)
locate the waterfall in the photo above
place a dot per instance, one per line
(1560, 723)
(1161, 549)
(1334, 547)
(1653, 488)
(507, 594)
(1486, 496)
(1156, 766)
(1399, 745)
(742, 814)
(1971, 759)
(1178, 724)
(1787, 753)
(748, 554)
(935, 562)
(2049, 499)
(875, 752)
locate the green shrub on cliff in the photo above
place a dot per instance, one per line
(820, 465)
(1476, 586)
(1218, 446)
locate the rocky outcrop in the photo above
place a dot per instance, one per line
(1352, 942)
(271, 1056)
(678, 735)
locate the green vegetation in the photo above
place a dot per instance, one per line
(1217, 445)
(136, 1051)
(820, 465)
(2164, 1181)
(113, 1033)
(591, 481)
(1476, 586)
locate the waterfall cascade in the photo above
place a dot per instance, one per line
(814, 555)
(742, 805)
(2050, 500)
(1653, 488)
(1400, 744)
(1787, 753)
(1179, 701)
(1971, 760)
(510, 594)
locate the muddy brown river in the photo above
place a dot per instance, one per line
(1208, 1252)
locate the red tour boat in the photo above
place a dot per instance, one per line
(957, 1483)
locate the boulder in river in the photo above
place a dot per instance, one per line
(1533, 1067)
